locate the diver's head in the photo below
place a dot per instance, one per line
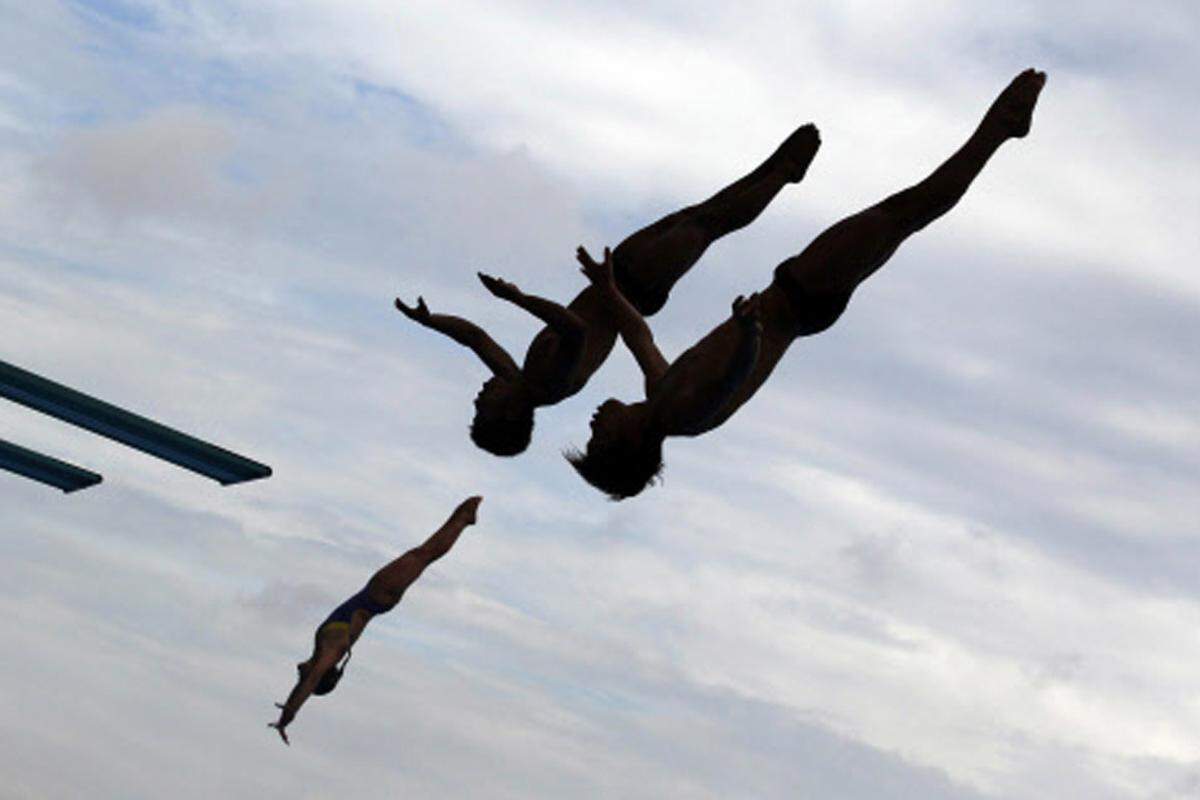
(503, 420)
(328, 681)
(623, 457)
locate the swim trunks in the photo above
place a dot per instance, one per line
(345, 612)
(814, 311)
(647, 299)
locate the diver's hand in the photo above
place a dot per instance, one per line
(418, 313)
(281, 725)
(468, 508)
(746, 312)
(600, 273)
(499, 287)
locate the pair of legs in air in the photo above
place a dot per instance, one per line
(578, 337)
(713, 378)
(335, 637)
(648, 263)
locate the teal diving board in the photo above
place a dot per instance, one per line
(140, 433)
(45, 469)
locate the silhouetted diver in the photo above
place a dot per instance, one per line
(335, 636)
(577, 338)
(710, 381)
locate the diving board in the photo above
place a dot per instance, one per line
(44, 469)
(140, 433)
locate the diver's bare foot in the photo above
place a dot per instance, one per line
(798, 151)
(468, 508)
(1012, 112)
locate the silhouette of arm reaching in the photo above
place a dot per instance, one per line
(710, 399)
(466, 333)
(327, 658)
(563, 320)
(630, 323)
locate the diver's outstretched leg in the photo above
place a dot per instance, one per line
(649, 262)
(850, 251)
(388, 584)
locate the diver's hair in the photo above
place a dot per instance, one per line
(501, 436)
(329, 681)
(618, 470)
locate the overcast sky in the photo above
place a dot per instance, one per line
(949, 551)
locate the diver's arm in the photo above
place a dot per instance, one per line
(632, 326)
(562, 319)
(327, 657)
(466, 333)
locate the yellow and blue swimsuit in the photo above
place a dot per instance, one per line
(345, 612)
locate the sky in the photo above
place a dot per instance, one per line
(949, 551)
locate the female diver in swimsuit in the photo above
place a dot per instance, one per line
(578, 338)
(341, 629)
(711, 380)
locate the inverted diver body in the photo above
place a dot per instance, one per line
(335, 637)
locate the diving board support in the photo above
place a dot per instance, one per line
(140, 433)
(44, 469)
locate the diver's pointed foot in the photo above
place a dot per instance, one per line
(1011, 114)
(798, 151)
(469, 509)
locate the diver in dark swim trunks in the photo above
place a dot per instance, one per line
(712, 379)
(335, 636)
(578, 337)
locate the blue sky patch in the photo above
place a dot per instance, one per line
(121, 12)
